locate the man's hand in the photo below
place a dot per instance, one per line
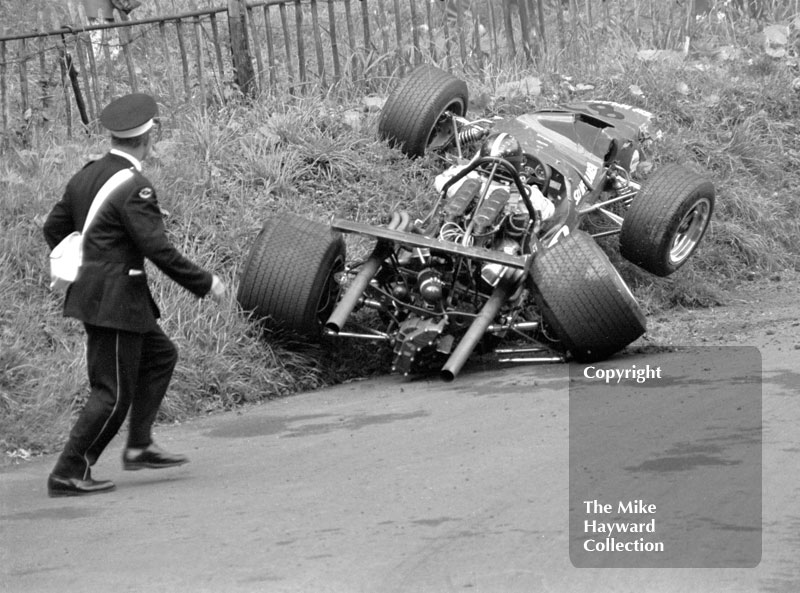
(218, 289)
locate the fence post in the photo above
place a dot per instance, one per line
(3, 86)
(125, 40)
(244, 76)
(72, 75)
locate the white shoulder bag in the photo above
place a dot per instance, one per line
(67, 256)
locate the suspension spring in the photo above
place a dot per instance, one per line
(471, 134)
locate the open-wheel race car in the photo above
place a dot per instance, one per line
(505, 257)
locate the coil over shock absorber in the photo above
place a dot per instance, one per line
(471, 134)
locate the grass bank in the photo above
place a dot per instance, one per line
(219, 175)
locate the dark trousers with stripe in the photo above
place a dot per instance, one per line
(127, 371)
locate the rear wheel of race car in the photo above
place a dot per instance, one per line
(584, 300)
(414, 116)
(667, 220)
(289, 277)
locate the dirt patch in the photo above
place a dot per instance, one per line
(760, 312)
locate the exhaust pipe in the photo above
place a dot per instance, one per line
(356, 289)
(368, 270)
(477, 330)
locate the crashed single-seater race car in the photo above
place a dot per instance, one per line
(505, 258)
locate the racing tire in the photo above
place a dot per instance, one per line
(413, 117)
(667, 220)
(289, 279)
(584, 300)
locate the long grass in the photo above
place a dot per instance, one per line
(219, 173)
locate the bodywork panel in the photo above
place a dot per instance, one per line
(578, 140)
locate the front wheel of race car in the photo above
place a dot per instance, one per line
(584, 300)
(415, 116)
(289, 278)
(667, 220)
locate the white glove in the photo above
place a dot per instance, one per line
(541, 204)
(218, 289)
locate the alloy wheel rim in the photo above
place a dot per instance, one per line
(690, 231)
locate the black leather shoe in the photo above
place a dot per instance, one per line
(153, 457)
(61, 486)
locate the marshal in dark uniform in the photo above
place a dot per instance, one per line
(129, 358)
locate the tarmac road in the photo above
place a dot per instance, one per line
(392, 485)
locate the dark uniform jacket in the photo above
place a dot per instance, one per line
(111, 287)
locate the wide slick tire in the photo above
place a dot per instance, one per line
(289, 277)
(667, 220)
(584, 300)
(414, 116)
